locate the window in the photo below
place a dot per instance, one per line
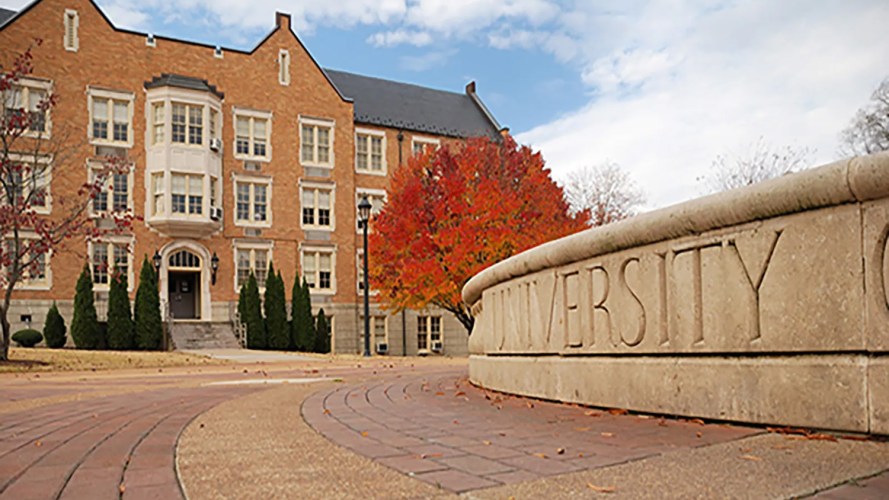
(28, 99)
(423, 144)
(428, 331)
(214, 124)
(116, 194)
(187, 124)
(370, 146)
(29, 182)
(316, 142)
(378, 330)
(252, 258)
(317, 266)
(377, 199)
(157, 188)
(187, 194)
(252, 198)
(110, 115)
(34, 260)
(284, 67)
(109, 257)
(252, 132)
(72, 23)
(317, 206)
(359, 263)
(158, 118)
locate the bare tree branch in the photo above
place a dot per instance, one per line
(605, 190)
(761, 162)
(868, 132)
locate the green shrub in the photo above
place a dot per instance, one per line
(256, 334)
(54, 329)
(322, 333)
(121, 335)
(303, 324)
(27, 338)
(85, 325)
(149, 328)
(276, 312)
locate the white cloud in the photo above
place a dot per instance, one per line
(674, 90)
(399, 37)
(427, 60)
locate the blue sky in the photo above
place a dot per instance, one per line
(659, 87)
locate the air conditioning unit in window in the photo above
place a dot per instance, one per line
(216, 144)
(216, 213)
(436, 346)
(382, 348)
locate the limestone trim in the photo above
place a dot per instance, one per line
(852, 180)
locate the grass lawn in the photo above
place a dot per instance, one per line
(42, 359)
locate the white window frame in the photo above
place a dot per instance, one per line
(71, 22)
(371, 193)
(318, 186)
(250, 246)
(92, 167)
(96, 93)
(252, 115)
(25, 85)
(425, 140)
(189, 105)
(371, 133)
(252, 180)
(359, 266)
(317, 250)
(205, 200)
(110, 241)
(316, 123)
(47, 179)
(429, 317)
(25, 283)
(374, 317)
(284, 67)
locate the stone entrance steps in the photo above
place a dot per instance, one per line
(203, 335)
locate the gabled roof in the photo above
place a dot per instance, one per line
(5, 15)
(411, 107)
(182, 82)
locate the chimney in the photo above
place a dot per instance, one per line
(470, 88)
(282, 20)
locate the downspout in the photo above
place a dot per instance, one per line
(400, 138)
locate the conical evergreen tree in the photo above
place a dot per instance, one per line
(256, 334)
(295, 293)
(54, 329)
(121, 332)
(303, 323)
(85, 324)
(147, 315)
(276, 312)
(322, 333)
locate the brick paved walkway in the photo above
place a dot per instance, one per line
(446, 432)
(113, 447)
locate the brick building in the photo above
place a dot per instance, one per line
(250, 156)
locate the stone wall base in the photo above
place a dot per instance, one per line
(815, 391)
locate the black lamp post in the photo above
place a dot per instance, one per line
(364, 207)
(214, 266)
(156, 260)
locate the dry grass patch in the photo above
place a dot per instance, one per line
(39, 359)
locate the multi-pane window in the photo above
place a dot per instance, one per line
(317, 207)
(187, 194)
(423, 144)
(252, 202)
(28, 182)
(428, 331)
(316, 142)
(157, 189)
(359, 262)
(369, 152)
(377, 199)
(107, 258)
(255, 260)
(33, 260)
(214, 124)
(110, 119)
(187, 124)
(27, 100)
(377, 329)
(115, 194)
(158, 118)
(318, 269)
(251, 136)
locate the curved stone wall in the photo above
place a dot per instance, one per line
(765, 304)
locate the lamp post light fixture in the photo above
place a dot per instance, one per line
(364, 207)
(214, 266)
(156, 260)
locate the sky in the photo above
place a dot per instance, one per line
(659, 87)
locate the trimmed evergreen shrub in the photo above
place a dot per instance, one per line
(256, 335)
(85, 324)
(121, 332)
(54, 328)
(276, 312)
(27, 338)
(322, 333)
(295, 292)
(149, 328)
(303, 324)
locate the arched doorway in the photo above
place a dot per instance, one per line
(185, 282)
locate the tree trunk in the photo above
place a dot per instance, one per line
(4, 322)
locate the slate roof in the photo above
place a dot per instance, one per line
(6, 15)
(411, 107)
(182, 82)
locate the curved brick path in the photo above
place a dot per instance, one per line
(444, 431)
(89, 449)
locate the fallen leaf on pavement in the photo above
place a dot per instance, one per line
(541, 455)
(697, 421)
(364, 434)
(38, 444)
(560, 451)
(753, 458)
(662, 422)
(580, 455)
(429, 455)
(530, 404)
(607, 434)
(698, 434)
(326, 411)
(601, 489)
(618, 411)
(486, 443)
(582, 429)
(439, 393)
(459, 393)
(122, 488)
(592, 413)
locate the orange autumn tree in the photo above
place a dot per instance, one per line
(453, 212)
